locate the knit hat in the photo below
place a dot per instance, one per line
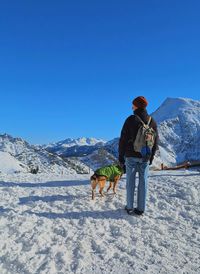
(140, 102)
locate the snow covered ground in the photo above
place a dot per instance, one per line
(50, 225)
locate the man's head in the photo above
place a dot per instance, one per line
(140, 102)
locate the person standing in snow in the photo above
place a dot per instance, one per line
(134, 160)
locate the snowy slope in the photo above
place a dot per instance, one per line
(33, 157)
(50, 225)
(100, 157)
(179, 130)
(112, 146)
(8, 164)
(14, 146)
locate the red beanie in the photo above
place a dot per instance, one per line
(140, 102)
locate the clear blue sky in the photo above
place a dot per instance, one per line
(72, 68)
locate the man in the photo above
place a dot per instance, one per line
(135, 161)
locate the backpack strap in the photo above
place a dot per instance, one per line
(140, 119)
(149, 121)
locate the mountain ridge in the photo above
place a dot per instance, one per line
(178, 122)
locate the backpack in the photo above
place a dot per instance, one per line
(145, 139)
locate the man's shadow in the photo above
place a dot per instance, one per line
(108, 214)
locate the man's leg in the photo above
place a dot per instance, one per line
(142, 186)
(131, 169)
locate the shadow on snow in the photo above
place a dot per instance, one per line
(52, 198)
(3, 210)
(78, 182)
(46, 184)
(175, 175)
(109, 214)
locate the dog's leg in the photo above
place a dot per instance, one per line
(116, 180)
(94, 183)
(110, 185)
(114, 187)
(102, 183)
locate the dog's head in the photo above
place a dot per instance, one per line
(93, 177)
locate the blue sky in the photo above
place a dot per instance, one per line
(72, 68)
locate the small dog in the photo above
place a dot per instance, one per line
(110, 173)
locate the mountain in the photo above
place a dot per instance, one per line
(179, 130)
(112, 146)
(98, 158)
(90, 151)
(34, 159)
(75, 147)
(8, 164)
(178, 122)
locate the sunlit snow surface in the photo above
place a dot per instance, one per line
(49, 224)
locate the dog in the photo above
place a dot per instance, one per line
(111, 173)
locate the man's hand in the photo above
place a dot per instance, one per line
(122, 163)
(121, 160)
(124, 168)
(151, 160)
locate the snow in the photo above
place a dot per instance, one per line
(69, 142)
(172, 107)
(179, 130)
(18, 153)
(14, 146)
(49, 225)
(8, 164)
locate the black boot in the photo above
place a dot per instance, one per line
(130, 211)
(138, 212)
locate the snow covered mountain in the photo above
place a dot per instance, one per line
(75, 147)
(8, 164)
(98, 158)
(179, 137)
(178, 122)
(17, 155)
(179, 130)
(112, 146)
(93, 152)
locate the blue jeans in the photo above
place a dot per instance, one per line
(134, 165)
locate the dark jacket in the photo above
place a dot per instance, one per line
(129, 132)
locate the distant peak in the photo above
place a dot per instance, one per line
(173, 107)
(179, 100)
